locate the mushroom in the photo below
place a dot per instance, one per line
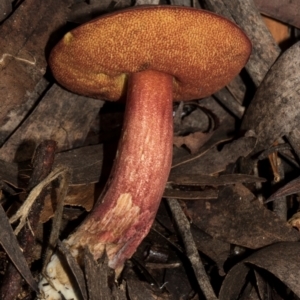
(154, 55)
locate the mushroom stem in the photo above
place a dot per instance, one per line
(123, 217)
(125, 213)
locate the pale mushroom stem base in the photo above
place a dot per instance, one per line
(124, 215)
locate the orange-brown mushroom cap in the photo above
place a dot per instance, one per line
(202, 51)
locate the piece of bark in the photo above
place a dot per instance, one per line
(245, 14)
(96, 275)
(61, 116)
(24, 38)
(274, 111)
(287, 11)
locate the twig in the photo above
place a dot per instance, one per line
(191, 249)
(279, 204)
(57, 219)
(147, 2)
(22, 213)
(293, 139)
(225, 97)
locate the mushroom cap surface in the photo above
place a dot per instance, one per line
(203, 51)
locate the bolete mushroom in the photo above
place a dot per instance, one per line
(155, 55)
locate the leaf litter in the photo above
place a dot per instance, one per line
(218, 234)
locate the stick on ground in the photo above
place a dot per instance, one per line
(191, 249)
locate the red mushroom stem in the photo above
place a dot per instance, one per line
(124, 215)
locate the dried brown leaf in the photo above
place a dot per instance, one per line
(290, 188)
(274, 111)
(193, 141)
(295, 220)
(237, 218)
(282, 260)
(82, 195)
(10, 244)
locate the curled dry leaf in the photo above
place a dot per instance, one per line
(274, 111)
(219, 136)
(295, 220)
(196, 128)
(83, 196)
(290, 188)
(193, 141)
(281, 260)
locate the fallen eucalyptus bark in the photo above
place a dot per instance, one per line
(274, 111)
